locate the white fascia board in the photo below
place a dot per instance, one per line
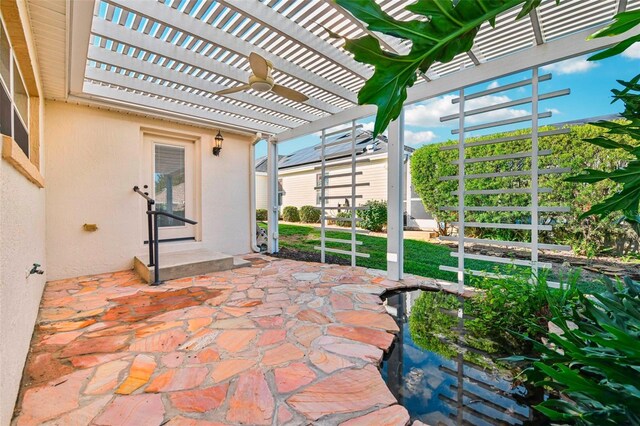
(550, 52)
(156, 46)
(166, 108)
(110, 57)
(111, 77)
(78, 40)
(96, 101)
(189, 25)
(259, 12)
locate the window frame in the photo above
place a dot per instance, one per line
(319, 191)
(10, 85)
(26, 163)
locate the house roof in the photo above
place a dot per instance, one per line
(365, 146)
(167, 58)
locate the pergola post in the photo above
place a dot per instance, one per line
(272, 195)
(395, 198)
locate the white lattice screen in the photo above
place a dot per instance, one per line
(328, 182)
(464, 159)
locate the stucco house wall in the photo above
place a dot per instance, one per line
(298, 183)
(96, 158)
(22, 242)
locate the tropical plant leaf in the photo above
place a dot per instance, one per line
(622, 23)
(449, 29)
(607, 143)
(615, 49)
(590, 176)
(627, 200)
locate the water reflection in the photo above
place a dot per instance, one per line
(445, 375)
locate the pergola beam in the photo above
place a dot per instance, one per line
(129, 63)
(201, 30)
(622, 6)
(567, 47)
(538, 33)
(156, 104)
(115, 32)
(79, 32)
(268, 17)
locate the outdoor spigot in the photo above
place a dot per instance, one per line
(36, 269)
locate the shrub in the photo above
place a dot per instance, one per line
(309, 214)
(588, 236)
(595, 362)
(290, 214)
(374, 216)
(261, 214)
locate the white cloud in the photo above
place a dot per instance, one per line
(571, 66)
(428, 113)
(554, 111)
(632, 52)
(493, 84)
(418, 138)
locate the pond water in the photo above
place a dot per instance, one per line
(443, 374)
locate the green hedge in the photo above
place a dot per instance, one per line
(589, 236)
(261, 214)
(309, 214)
(290, 214)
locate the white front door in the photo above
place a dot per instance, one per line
(171, 169)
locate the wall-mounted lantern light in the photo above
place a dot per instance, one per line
(217, 144)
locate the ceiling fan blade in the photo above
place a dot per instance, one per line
(285, 92)
(259, 65)
(233, 90)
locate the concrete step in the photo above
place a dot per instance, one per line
(239, 262)
(186, 263)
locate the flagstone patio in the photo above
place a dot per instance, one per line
(280, 342)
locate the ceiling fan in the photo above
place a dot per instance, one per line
(260, 80)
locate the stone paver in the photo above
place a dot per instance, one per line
(279, 342)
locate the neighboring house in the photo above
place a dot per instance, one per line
(299, 173)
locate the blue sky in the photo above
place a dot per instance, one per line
(590, 84)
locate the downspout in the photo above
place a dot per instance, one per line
(252, 192)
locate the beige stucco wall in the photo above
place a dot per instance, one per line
(95, 157)
(22, 243)
(22, 230)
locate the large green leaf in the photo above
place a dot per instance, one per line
(626, 201)
(622, 23)
(448, 29)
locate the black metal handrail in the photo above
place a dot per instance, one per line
(156, 261)
(150, 203)
(152, 228)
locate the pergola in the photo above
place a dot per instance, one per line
(167, 58)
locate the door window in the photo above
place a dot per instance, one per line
(170, 190)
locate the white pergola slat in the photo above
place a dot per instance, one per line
(110, 57)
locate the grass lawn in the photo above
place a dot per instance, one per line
(420, 257)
